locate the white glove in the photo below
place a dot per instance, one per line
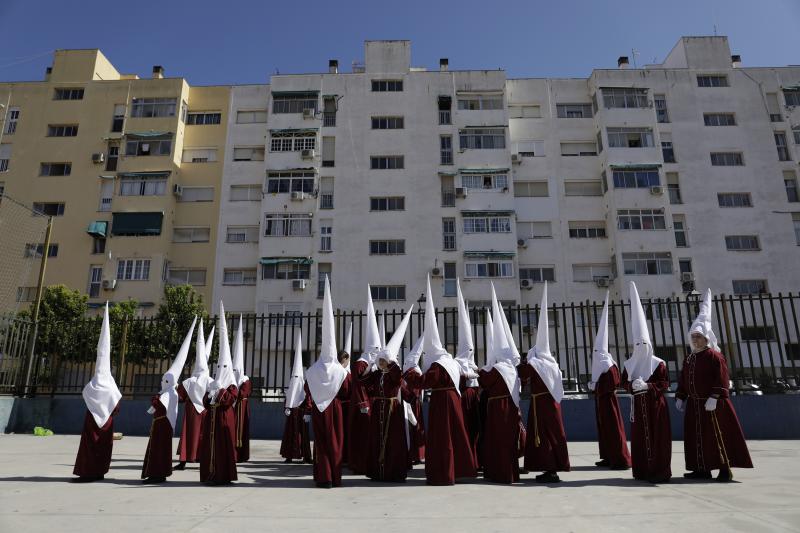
(473, 366)
(151, 410)
(364, 410)
(287, 412)
(592, 385)
(639, 385)
(711, 404)
(679, 405)
(470, 375)
(306, 418)
(417, 369)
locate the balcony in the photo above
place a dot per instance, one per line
(445, 117)
(329, 119)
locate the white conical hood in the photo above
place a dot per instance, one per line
(210, 343)
(382, 330)
(489, 340)
(295, 393)
(392, 349)
(504, 358)
(465, 353)
(540, 358)
(432, 344)
(196, 384)
(507, 330)
(702, 324)
(101, 394)
(326, 375)
(372, 338)
(238, 355)
(601, 358)
(348, 344)
(411, 360)
(223, 375)
(168, 395)
(642, 363)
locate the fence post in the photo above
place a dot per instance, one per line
(123, 349)
(732, 348)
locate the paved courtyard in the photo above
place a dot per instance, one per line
(273, 496)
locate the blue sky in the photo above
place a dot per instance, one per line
(248, 40)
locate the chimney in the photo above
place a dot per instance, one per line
(158, 72)
(736, 61)
(622, 62)
(333, 66)
(444, 63)
(47, 73)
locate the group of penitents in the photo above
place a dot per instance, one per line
(367, 415)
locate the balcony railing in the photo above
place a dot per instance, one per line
(329, 119)
(444, 117)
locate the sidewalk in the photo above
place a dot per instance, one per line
(272, 496)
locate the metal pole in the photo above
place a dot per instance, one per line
(36, 305)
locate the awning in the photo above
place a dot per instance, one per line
(159, 174)
(106, 176)
(647, 166)
(98, 228)
(296, 130)
(330, 95)
(483, 170)
(447, 172)
(294, 93)
(293, 260)
(791, 88)
(491, 254)
(483, 127)
(477, 213)
(148, 134)
(132, 224)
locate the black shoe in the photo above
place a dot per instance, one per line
(603, 462)
(524, 471)
(621, 467)
(287, 460)
(154, 480)
(725, 475)
(697, 474)
(308, 461)
(219, 483)
(656, 481)
(86, 479)
(548, 477)
(180, 466)
(325, 485)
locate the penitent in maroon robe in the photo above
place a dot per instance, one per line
(651, 436)
(500, 445)
(158, 457)
(242, 409)
(610, 430)
(189, 443)
(448, 455)
(358, 423)
(345, 429)
(413, 396)
(387, 457)
(328, 429)
(218, 438)
(94, 451)
(546, 441)
(470, 407)
(711, 439)
(296, 443)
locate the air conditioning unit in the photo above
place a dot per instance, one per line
(299, 284)
(109, 284)
(601, 281)
(461, 192)
(177, 190)
(657, 190)
(298, 195)
(145, 148)
(308, 113)
(522, 243)
(98, 158)
(526, 284)
(436, 272)
(307, 154)
(516, 158)
(687, 276)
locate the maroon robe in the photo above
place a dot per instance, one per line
(413, 395)
(158, 457)
(218, 438)
(501, 443)
(610, 430)
(94, 451)
(345, 428)
(328, 428)
(448, 455)
(470, 406)
(358, 423)
(296, 443)
(546, 441)
(711, 439)
(651, 436)
(387, 456)
(189, 443)
(242, 409)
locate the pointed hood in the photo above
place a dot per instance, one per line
(504, 358)
(382, 330)
(392, 350)
(702, 324)
(196, 384)
(465, 353)
(295, 394)
(489, 340)
(168, 396)
(540, 358)
(642, 362)
(101, 394)
(210, 343)
(372, 338)
(223, 375)
(326, 375)
(238, 355)
(507, 331)
(601, 357)
(411, 360)
(432, 344)
(348, 344)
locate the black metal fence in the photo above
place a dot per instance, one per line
(759, 336)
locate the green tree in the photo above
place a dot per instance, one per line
(180, 305)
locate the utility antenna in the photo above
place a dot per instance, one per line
(634, 53)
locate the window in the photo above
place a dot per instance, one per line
(790, 184)
(133, 269)
(26, 294)
(482, 138)
(153, 107)
(641, 219)
(487, 224)
(717, 80)
(239, 276)
(55, 169)
(384, 162)
(446, 149)
(743, 287)
(586, 229)
(796, 134)
(191, 234)
(667, 150)
(534, 230)
(295, 102)
(35, 250)
(186, 276)
(329, 108)
(5, 157)
(326, 193)
(783, 148)
(573, 149)
(662, 113)
(796, 224)
(136, 224)
(241, 234)
(624, 97)
(679, 227)
(674, 188)
(387, 203)
(727, 159)
(204, 118)
(95, 281)
(326, 235)
(287, 225)
(734, 199)
(445, 103)
(197, 194)
(488, 268)
(482, 102)
(257, 116)
(51, 209)
(382, 86)
(450, 279)
(685, 266)
(248, 153)
(290, 181)
(583, 188)
(245, 193)
(524, 111)
(629, 137)
(68, 94)
(387, 247)
(530, 148)
(66, 130)
(324, 271)
(742, 242)
(719, 119)
(589, 272)
(199, 155)
(525, 189)
(636, 179)
(385, 293)
(136, 146)
(538, 274)
(448, 191)
(647, 263)
(792, 97)
(118, 122)
(112, 157)
(98, 245)
(328, 151)
(292, 141)
(143, 184)
(484, 181)
(12, 117)
(574, 110)
(387, 123)
(449, 233)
